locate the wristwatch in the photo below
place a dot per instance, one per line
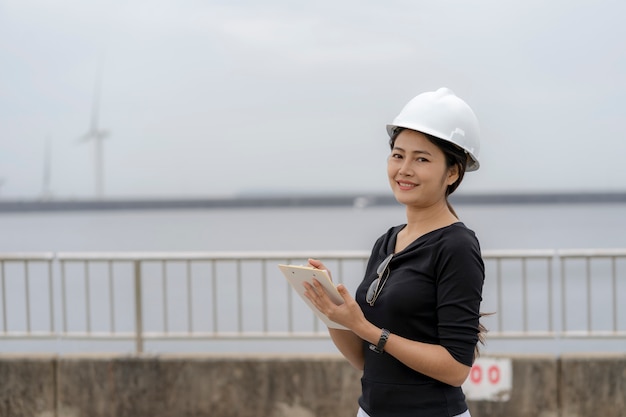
(384, 335)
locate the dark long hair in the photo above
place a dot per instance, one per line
(455, 156)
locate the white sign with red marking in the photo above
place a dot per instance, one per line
(490, 379)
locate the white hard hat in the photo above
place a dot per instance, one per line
(445, 116)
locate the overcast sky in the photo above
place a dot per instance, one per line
(213, 98)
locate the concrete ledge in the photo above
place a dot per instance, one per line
(580, 385)
(27, 385)
(186, 386)
(593, 385)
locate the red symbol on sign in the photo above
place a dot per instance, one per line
(493, 374)
(476, 374)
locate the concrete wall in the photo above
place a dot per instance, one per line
(272, 386)
(593, 385)
(27, 385)
(186, 386)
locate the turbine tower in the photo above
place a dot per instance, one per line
(97, 135)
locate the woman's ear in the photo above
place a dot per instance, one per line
(453, 174)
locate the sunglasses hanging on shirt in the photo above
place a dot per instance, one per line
(377, 285)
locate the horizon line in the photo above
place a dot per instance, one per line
(357, 200)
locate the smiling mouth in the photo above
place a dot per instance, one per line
(406, 185)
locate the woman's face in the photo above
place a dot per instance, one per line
(417, 170)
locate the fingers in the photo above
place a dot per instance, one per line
(317, 264)
(312, 295)
(346, 314)
(315, 289)
(344, 293)
(316, 294)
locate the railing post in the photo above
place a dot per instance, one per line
(138, 309)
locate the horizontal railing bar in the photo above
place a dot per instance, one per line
(172, 336)
(131, 256)
(28, 335)
(239, 336)
(204, 256)
(553, 335)
(600, 334)
(26, 256)
(522, 335)
(285, 335)
(257, 256)
(521, 253)
(592, 253)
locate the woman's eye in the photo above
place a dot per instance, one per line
(396, 155)
(421, 159)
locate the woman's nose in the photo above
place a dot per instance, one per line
(405, 168)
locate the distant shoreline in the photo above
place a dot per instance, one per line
(360, 200)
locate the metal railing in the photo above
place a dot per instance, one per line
(242, 296)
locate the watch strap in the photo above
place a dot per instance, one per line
(380, 347)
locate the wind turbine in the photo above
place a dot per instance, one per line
(97, 135)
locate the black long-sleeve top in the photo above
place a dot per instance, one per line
(432, 295)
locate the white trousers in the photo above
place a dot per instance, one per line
(362, 413)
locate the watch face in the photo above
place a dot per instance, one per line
(375, 349)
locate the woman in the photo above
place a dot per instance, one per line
(414, 323)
